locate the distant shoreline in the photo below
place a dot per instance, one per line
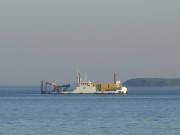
(137, 82)
(152, 82)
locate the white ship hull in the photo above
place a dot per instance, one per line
(87, 89)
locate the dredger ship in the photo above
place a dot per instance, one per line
(86, 87)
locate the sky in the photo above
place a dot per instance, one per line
(48, 39)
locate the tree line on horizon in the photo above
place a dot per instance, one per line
(152, 82)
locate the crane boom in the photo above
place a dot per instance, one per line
(55, 88)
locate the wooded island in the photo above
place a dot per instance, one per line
(152, 82)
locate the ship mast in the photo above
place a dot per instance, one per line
(78, 76)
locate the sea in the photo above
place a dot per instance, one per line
(143, 111)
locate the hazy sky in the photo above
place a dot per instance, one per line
(47, 39)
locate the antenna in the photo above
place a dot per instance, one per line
(114, 77)
(78, 76)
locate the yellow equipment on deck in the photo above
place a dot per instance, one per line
(107, 86)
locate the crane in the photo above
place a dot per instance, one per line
(56, 89)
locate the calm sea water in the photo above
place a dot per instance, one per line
(144, 111)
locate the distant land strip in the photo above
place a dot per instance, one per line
(152, 82)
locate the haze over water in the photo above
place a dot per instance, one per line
(48, 39)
